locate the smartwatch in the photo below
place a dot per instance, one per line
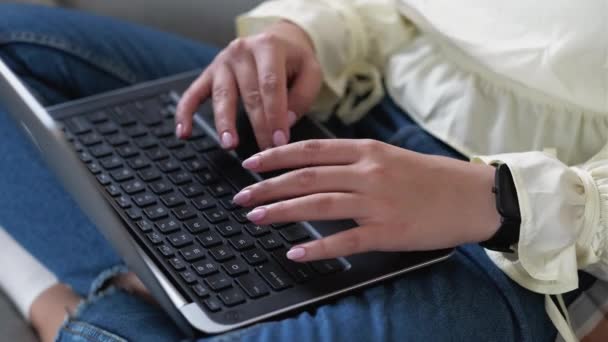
(507, 206)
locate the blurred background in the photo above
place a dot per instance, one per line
(211, 21)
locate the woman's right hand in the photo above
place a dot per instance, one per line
(275, 73)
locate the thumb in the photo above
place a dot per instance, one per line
(352, 241)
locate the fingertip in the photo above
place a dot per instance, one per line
(296, 253)
(279, 138)
(228, 140)
(292, 117)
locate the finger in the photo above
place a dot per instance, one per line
(298, 183)
(198, 92)
(305, 88)
(325, 206)
(224, 93)
(305, 153)
(349, 242)
(272, 78)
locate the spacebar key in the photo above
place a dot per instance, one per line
(274, 276)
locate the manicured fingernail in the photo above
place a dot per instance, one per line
(296, 253)
(291, 118)
(242, 197)
(256, 214)
(179, 130)
(252, 162)
(279, 138)
(227, 140)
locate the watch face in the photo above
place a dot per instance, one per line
(506, 199)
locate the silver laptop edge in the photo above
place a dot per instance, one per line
(47, 136)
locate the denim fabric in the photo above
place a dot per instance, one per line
(63, 55)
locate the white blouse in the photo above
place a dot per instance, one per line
(518, 82)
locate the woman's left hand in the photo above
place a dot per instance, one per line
(401, 200)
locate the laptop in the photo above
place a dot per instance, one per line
(165, 206)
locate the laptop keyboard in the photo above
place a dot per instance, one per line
(177, 198)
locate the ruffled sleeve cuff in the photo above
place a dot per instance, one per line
(563, 212)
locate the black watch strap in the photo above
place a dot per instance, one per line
(507, 205)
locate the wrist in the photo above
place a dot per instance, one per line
(487, 219)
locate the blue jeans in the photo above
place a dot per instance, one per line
(63, 55)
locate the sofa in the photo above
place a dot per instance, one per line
(211, 21)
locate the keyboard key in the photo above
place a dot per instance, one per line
(220, 189)
(123, 202)
(241, 243)
(133, 187)
(218, 282)
(204, 145)
(138, 163)
(149, 175)
(172, 142)
(123, 116)
(97, 117)
(107, 128)
(166, 251)
(78, 125)
(192, 190)
(134, 214)
(274, 276)
(194, 165)
(204, 268)
(203, 202)
(185, 212)
(160, 187)
(228, 229)
(157, 154)
(136, 131)
(117, 139)
(101, 150)
(296, 233)
(146, 142)
(192, 253)
(127, 151)
(215, 215)
(241, 215)
(144, 199)
(221, 253)
(156, 212)
(91, 139)
(145, 225)
(232, 297)
(255, 256)
(167, 225)
(235, 267)
(177, 263)
(206, 176)
(270, 242)
(196, 226)
(180, 177)
(228, 204)
(213, 304)
(85, 157)
(155, 238)
(163, 131)
(299, 271)
(188, 276)
(104, 179)
(172, 199)
(253, 286)
(113, 190)
(200, 290)
(209, 239)
(280, 225)
(112, 162)
(122, 175)
(168, 165)
(183, 154)
(180, 239)
(94, 168)
(256, 230)
(327, 266)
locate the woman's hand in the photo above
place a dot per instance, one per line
(276, 75)
(401, 200)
